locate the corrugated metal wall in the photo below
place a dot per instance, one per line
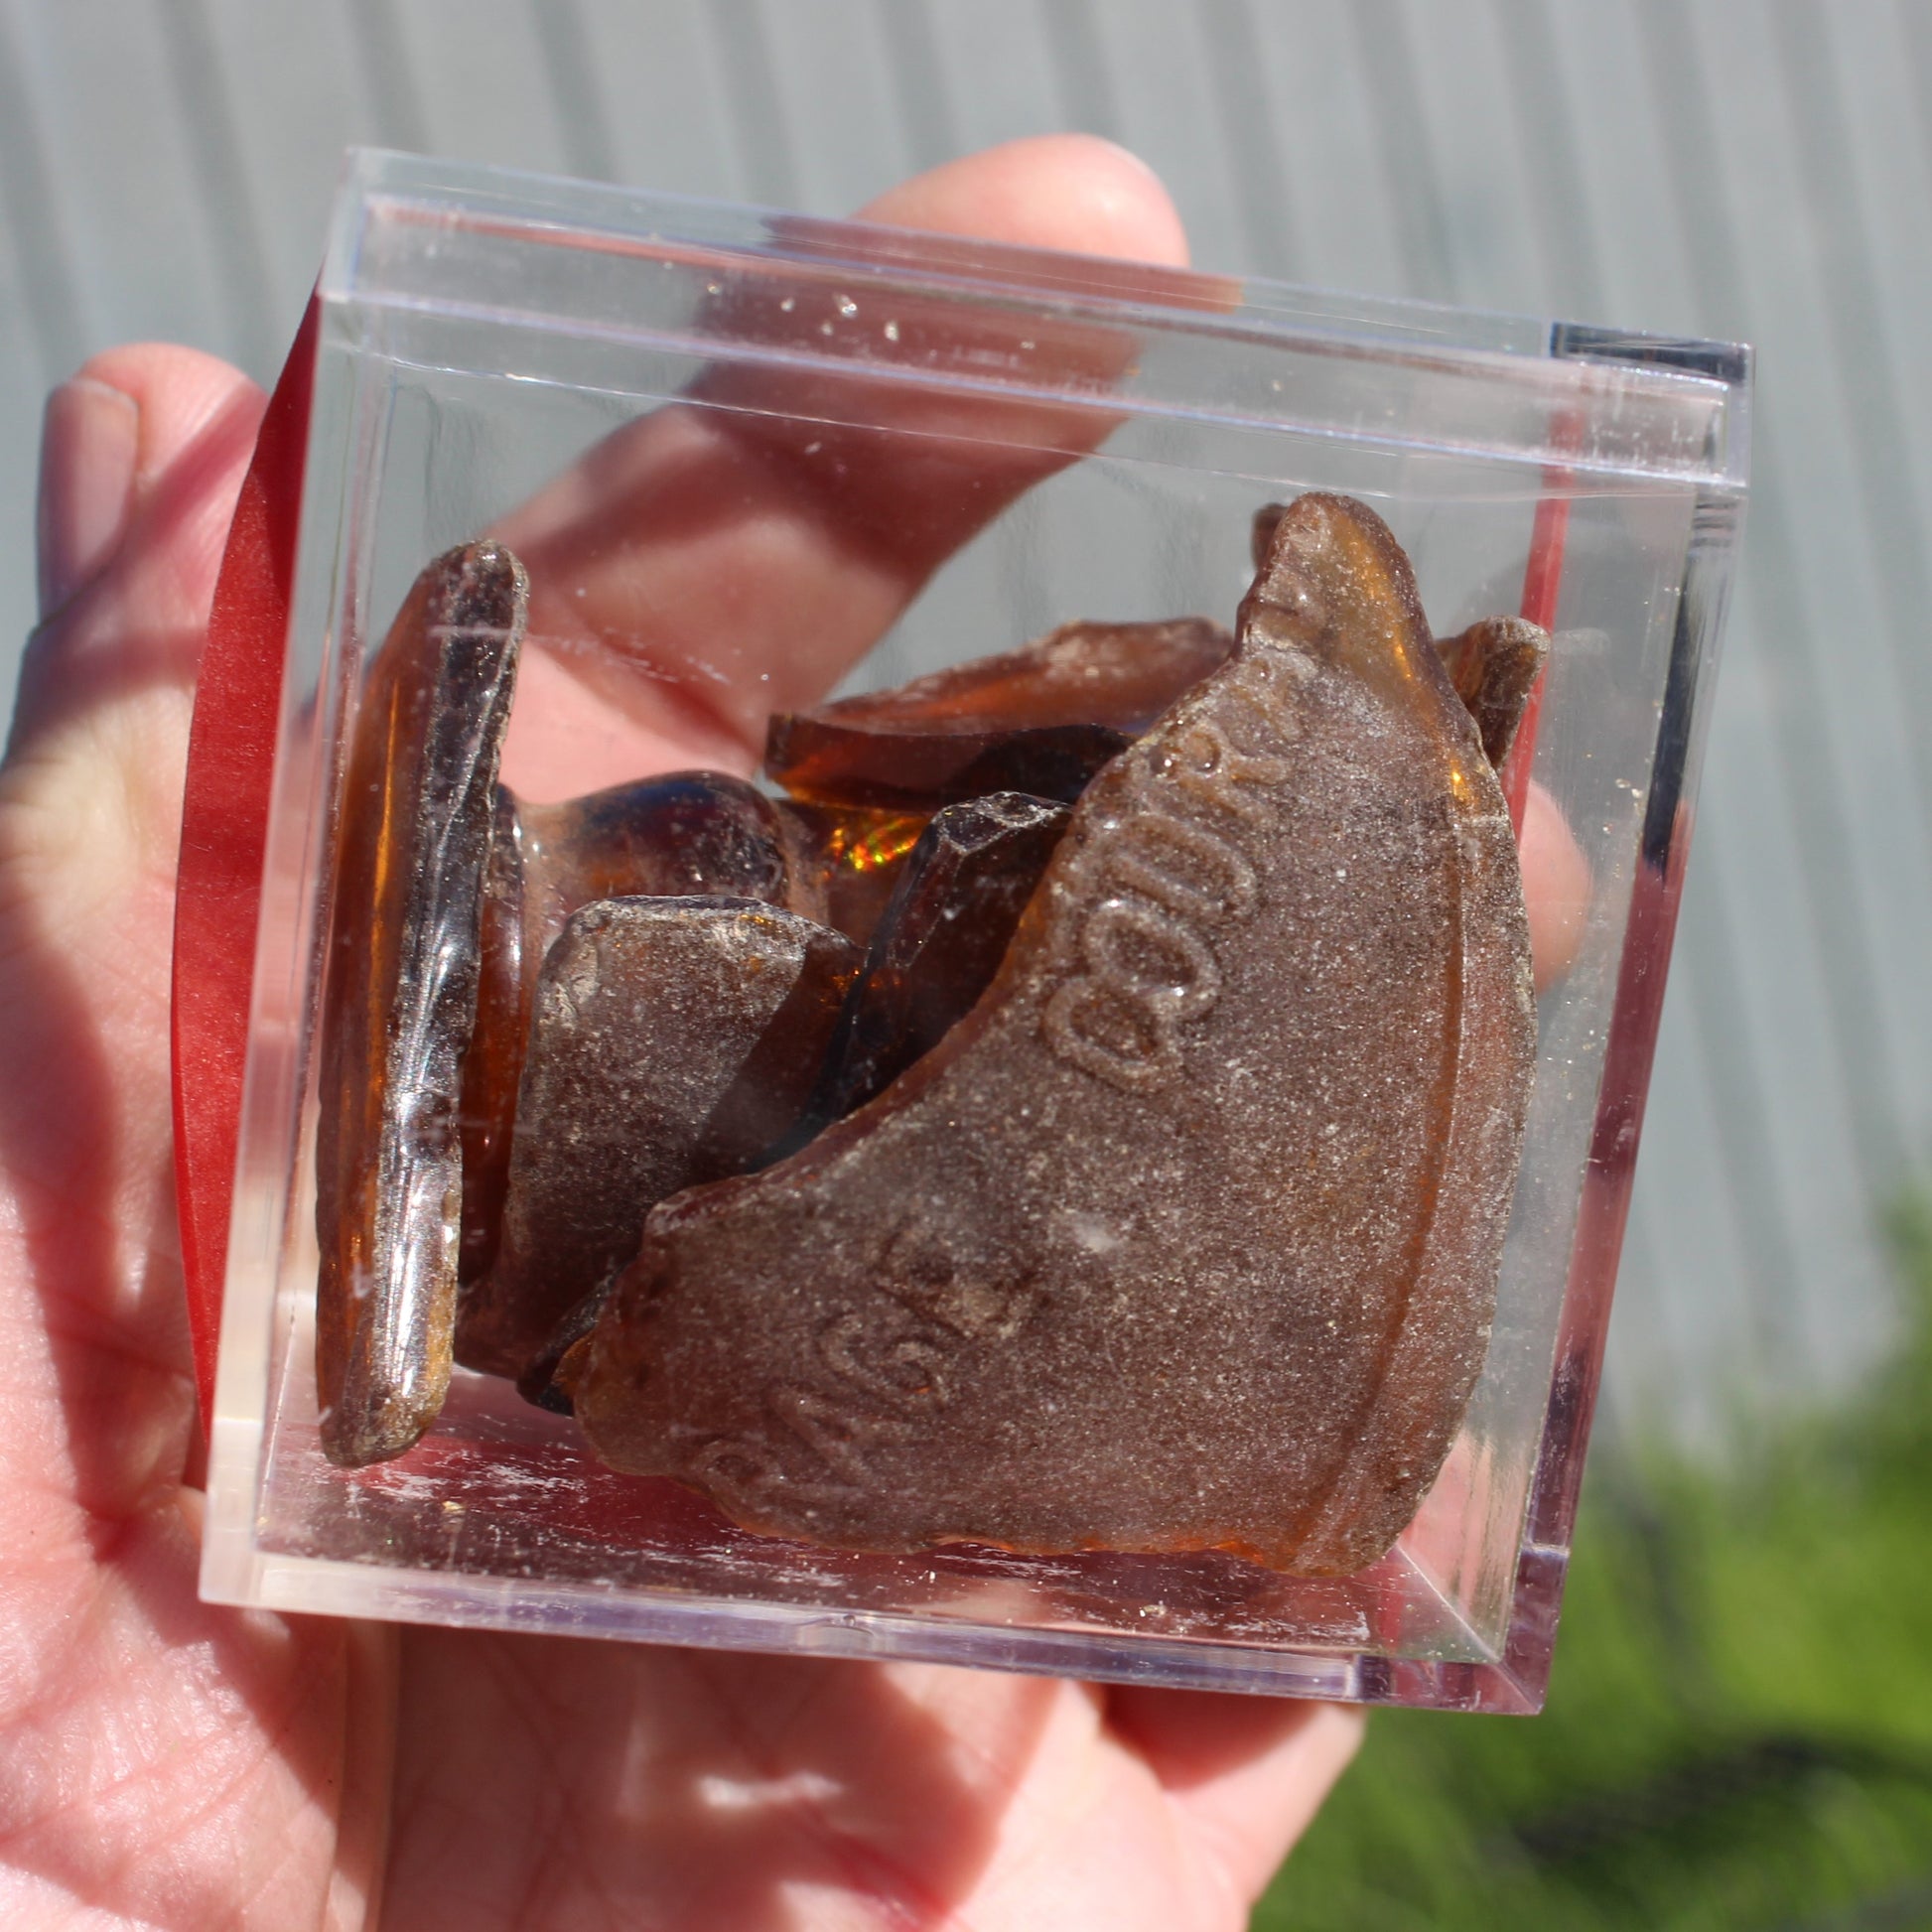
(1736, 168)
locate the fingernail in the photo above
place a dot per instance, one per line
(90, 439)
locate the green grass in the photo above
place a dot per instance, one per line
(1739, 1728)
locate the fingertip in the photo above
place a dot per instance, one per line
(91, 436)
(1318, 1753)
(1070, 192)
(1192, 1738)
(1557, 885)
(176, 391)
(144, 432)
(1250, 1773)
(1334, 1735)
(144, 453)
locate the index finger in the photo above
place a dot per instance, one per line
(734, 554)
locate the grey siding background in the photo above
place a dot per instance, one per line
(1755, 169)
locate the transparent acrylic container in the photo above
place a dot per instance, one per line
(960, 447)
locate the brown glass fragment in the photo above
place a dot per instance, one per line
(959, 898)
(493, 1063)
(1493, 666)
(846, 861)
(400, 999)
(545, 1378)
(701, 833)
(1042, 720)
(672, 1041)
(687, 833)
(1187, 1235)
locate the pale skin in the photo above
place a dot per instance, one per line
(173, 1765)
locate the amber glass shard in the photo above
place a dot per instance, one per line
(672, 1041)
(1494, 665)
(545, 1378)
(690, 832)
(702, 833)
(1042, 720)
(1086, 673)
(939, 943)
(1187, 1235)
(494, 1060)
(869, 764)
(400, 999)
(846, 859)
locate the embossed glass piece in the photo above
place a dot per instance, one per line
(1187, 1237)
(672, 1041)
(1042, 720)
(960, 895)
(401, 997)
(1494, 665)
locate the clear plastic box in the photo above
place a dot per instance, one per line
(1005, 440)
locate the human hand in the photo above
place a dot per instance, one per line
(183, 1767)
